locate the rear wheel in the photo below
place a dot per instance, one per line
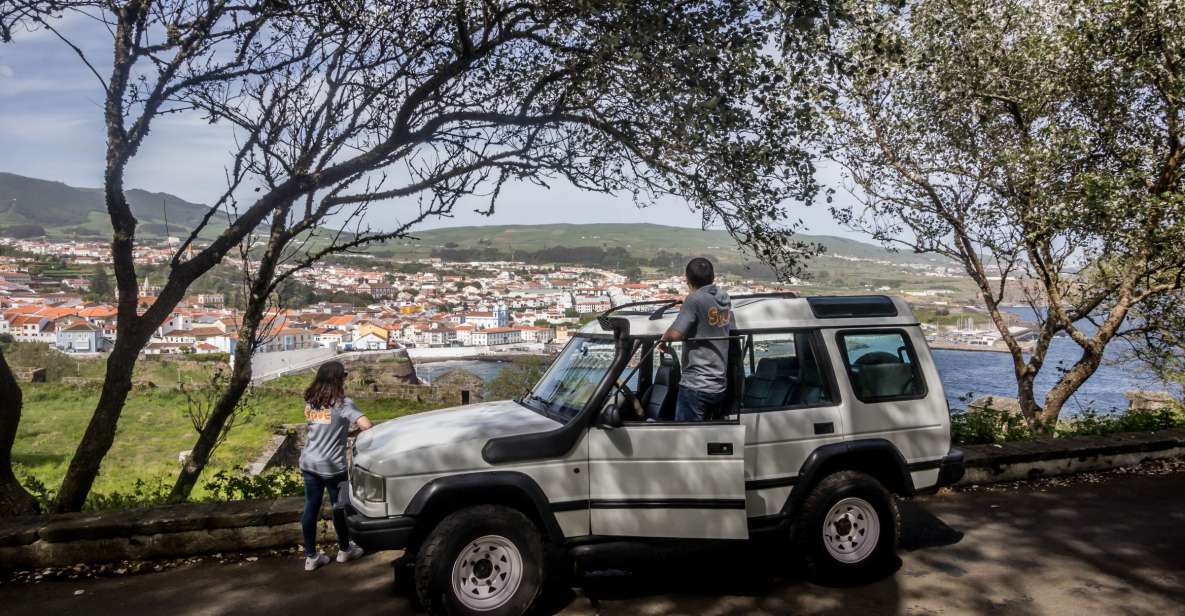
(847, 529)
(481, 560)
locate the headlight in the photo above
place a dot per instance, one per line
(368, 486)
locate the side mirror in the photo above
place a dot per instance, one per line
(611, 417)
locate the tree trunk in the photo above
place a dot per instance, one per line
(1068, 384)
(100, 432)
(208, 437)
(14, 499)
(241, 376)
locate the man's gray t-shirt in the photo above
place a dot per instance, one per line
(706, 313)
(325, 443)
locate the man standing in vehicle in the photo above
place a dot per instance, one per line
(703, 325)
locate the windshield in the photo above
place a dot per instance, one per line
(571, 380)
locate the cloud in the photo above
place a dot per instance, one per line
(11, 84)
(40, 127)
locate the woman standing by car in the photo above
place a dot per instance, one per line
(328, 416)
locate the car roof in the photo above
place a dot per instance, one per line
(768, 312)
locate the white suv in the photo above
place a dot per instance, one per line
(834, 405)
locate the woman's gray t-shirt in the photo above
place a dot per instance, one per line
(325, 443)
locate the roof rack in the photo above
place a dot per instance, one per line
(771, 294)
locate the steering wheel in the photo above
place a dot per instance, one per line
(630, 408)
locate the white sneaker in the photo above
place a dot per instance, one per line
(345, 556)
(315, 562)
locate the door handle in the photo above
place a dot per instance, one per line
(826, 427)
(719, 449)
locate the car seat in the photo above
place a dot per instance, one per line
(882, 375)
(771, 382)
(658, 402)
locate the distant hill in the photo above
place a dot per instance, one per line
(63, 210)
(640, 239)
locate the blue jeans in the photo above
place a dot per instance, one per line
(314, 491)
(692, 405)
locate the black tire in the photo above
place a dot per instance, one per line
(810, 536)
(445, 548)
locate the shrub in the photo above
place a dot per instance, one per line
(143, 494)
(987, 426)
(237, 485)
(1092, 422)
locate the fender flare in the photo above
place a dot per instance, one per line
(468, 487)
(812, 468)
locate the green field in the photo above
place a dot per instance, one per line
(153, 429)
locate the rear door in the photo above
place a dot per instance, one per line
(668, 479)
(791, 409)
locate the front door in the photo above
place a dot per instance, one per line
(666, 479)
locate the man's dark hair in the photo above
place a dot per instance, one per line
(700, 272)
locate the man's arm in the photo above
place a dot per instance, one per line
(364, 424)
(677, 332)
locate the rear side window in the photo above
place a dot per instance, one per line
(881, 365)
(781, 371)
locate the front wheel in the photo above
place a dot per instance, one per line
(847, 529)
(481, 560)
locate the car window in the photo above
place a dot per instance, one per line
(781, 371)
(881, 365)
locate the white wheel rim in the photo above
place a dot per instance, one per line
(851, 530)
(487, 573)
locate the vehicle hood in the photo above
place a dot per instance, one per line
(444, 440)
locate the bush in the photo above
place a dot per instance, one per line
(987, 426)
(237, 485)
(143, 494)
(995, 426)
(1093, 423)
(213, 358)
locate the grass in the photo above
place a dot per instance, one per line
(153, 429)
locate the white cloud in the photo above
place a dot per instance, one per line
(39, 127)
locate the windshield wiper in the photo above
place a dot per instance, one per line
(542, 402)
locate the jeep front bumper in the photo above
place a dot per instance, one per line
(374, 534)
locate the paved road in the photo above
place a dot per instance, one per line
(1115, 547)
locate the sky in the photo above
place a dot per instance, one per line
(51, 127)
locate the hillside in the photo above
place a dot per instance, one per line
(642, 240)
(71, 211)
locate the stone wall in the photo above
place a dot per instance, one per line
(154, 532)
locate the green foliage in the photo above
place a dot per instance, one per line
(516, 379)
(987, 426)
(143, 493)
(1092, 422)
(236, 485)
(101, 289)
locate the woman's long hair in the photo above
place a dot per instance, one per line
(328, 387)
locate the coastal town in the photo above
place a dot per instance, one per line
(432, 304)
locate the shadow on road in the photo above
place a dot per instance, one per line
(755, 579)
